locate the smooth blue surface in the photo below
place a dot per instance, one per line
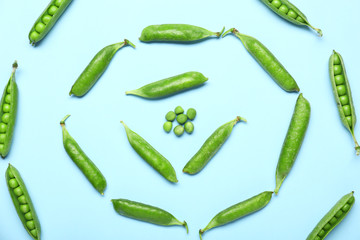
(67, 205)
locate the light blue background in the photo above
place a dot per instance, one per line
(67, 205)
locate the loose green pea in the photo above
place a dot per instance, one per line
(24, 208)
(170, 116)
(22, 199)
(167, 126)
(181, 118)
(34, 36)
(349, 120)
(40, 27)
(339, 79)
(344, 100)
(179, 110)
(13, 183)
(189, 127)
(46, 19)
(6, 118)
(6, 108)
(191, 113)
(52, 10)
(284, 9)
(347, 110)
(292, 14)
(337, 69)
(30, 224)
(28, 216)
(8, 98)
(341, 89)
(300, 19)
(3, 127)
(339, 213)
(276, 3)
(179, 130)
(58, 2)
(2, 138)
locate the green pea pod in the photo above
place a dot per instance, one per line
(267, 61)
(8, 112)
(77, 155)
(238, 211)
(210, 147)
(289, 12)
(96, 68)
(336, 214)
(22, 202)
(176, 33)
(47, 20)
(293, 140)
(146, 213)
(342, 94)
(170, 86)
(150, 155)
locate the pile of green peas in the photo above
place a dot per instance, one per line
(284, 9)
(182, 119)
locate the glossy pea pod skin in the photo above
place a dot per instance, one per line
(77, 155)
(238, 211)
(289, 12)
(267, 61)
(96, 68)
(293, 140)
(336, 214)
(47, 20)
(170, 86)
(22, 202)
(176, 33)
(342, 94)
(146, 213)
(8, 112)
(151, 155)
(210, 147)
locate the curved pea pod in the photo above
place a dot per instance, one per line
(210, 147)
(170, 86)
(342, 93)
(267, 61)
(150, 155)
(47, 20)
(238, 211)
(293, 140)
(289, 12)
(22, 202)
(146, 213)
(8, 112)
(336, 214)
(176, 33)
(77, 155)
(96, 68)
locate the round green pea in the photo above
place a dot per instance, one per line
(351, 200)
(337, 69)
(339, 214)
(8, 89)
(339, 79)
(179, 110)
(189, 127)
(30, 225)
(11, 175)
(327, 227)
(181, 119)
(292, 14)
(2, 138)
(284, 9)
(321, 233)
(276, 3)
(22, 199)
(179, 130)
(333, 220)
(3, 127)
(341, 89)
(24, 208)
(46, 19)
(5, 117)
(34, 233)
(39, 27)
(349, 120)
(191, 113)
(8, 98)
(170, 116)
(58, 3)
(6, 107)
(167, 126)
(346, 207)
(317, 238)
(1, 147)
(33, 36)
(28, 216)
(300, 19)
(13, 183)
(347, 110)
(52, 10)
(337, 59)
(18, 191)
(344, 100)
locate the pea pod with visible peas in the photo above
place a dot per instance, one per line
(176, 33)
(267, 61)
(336, 214)
(77, 155)
(293, 140)
(96, 68)
(238, 211)
(342, 94)
(289, 12)
(47, 20)
(146, 213)
(22, 202)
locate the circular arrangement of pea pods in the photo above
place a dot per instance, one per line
(8, 112)
(22, 202)
(146, 213)
(170, 86)
(176, 33)
(289, 12)
(47, 20)
(267, 61)
(342, 93)
(293, 140)
(77, 155)
(96, 68)
(336, 214)
(238, 211)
